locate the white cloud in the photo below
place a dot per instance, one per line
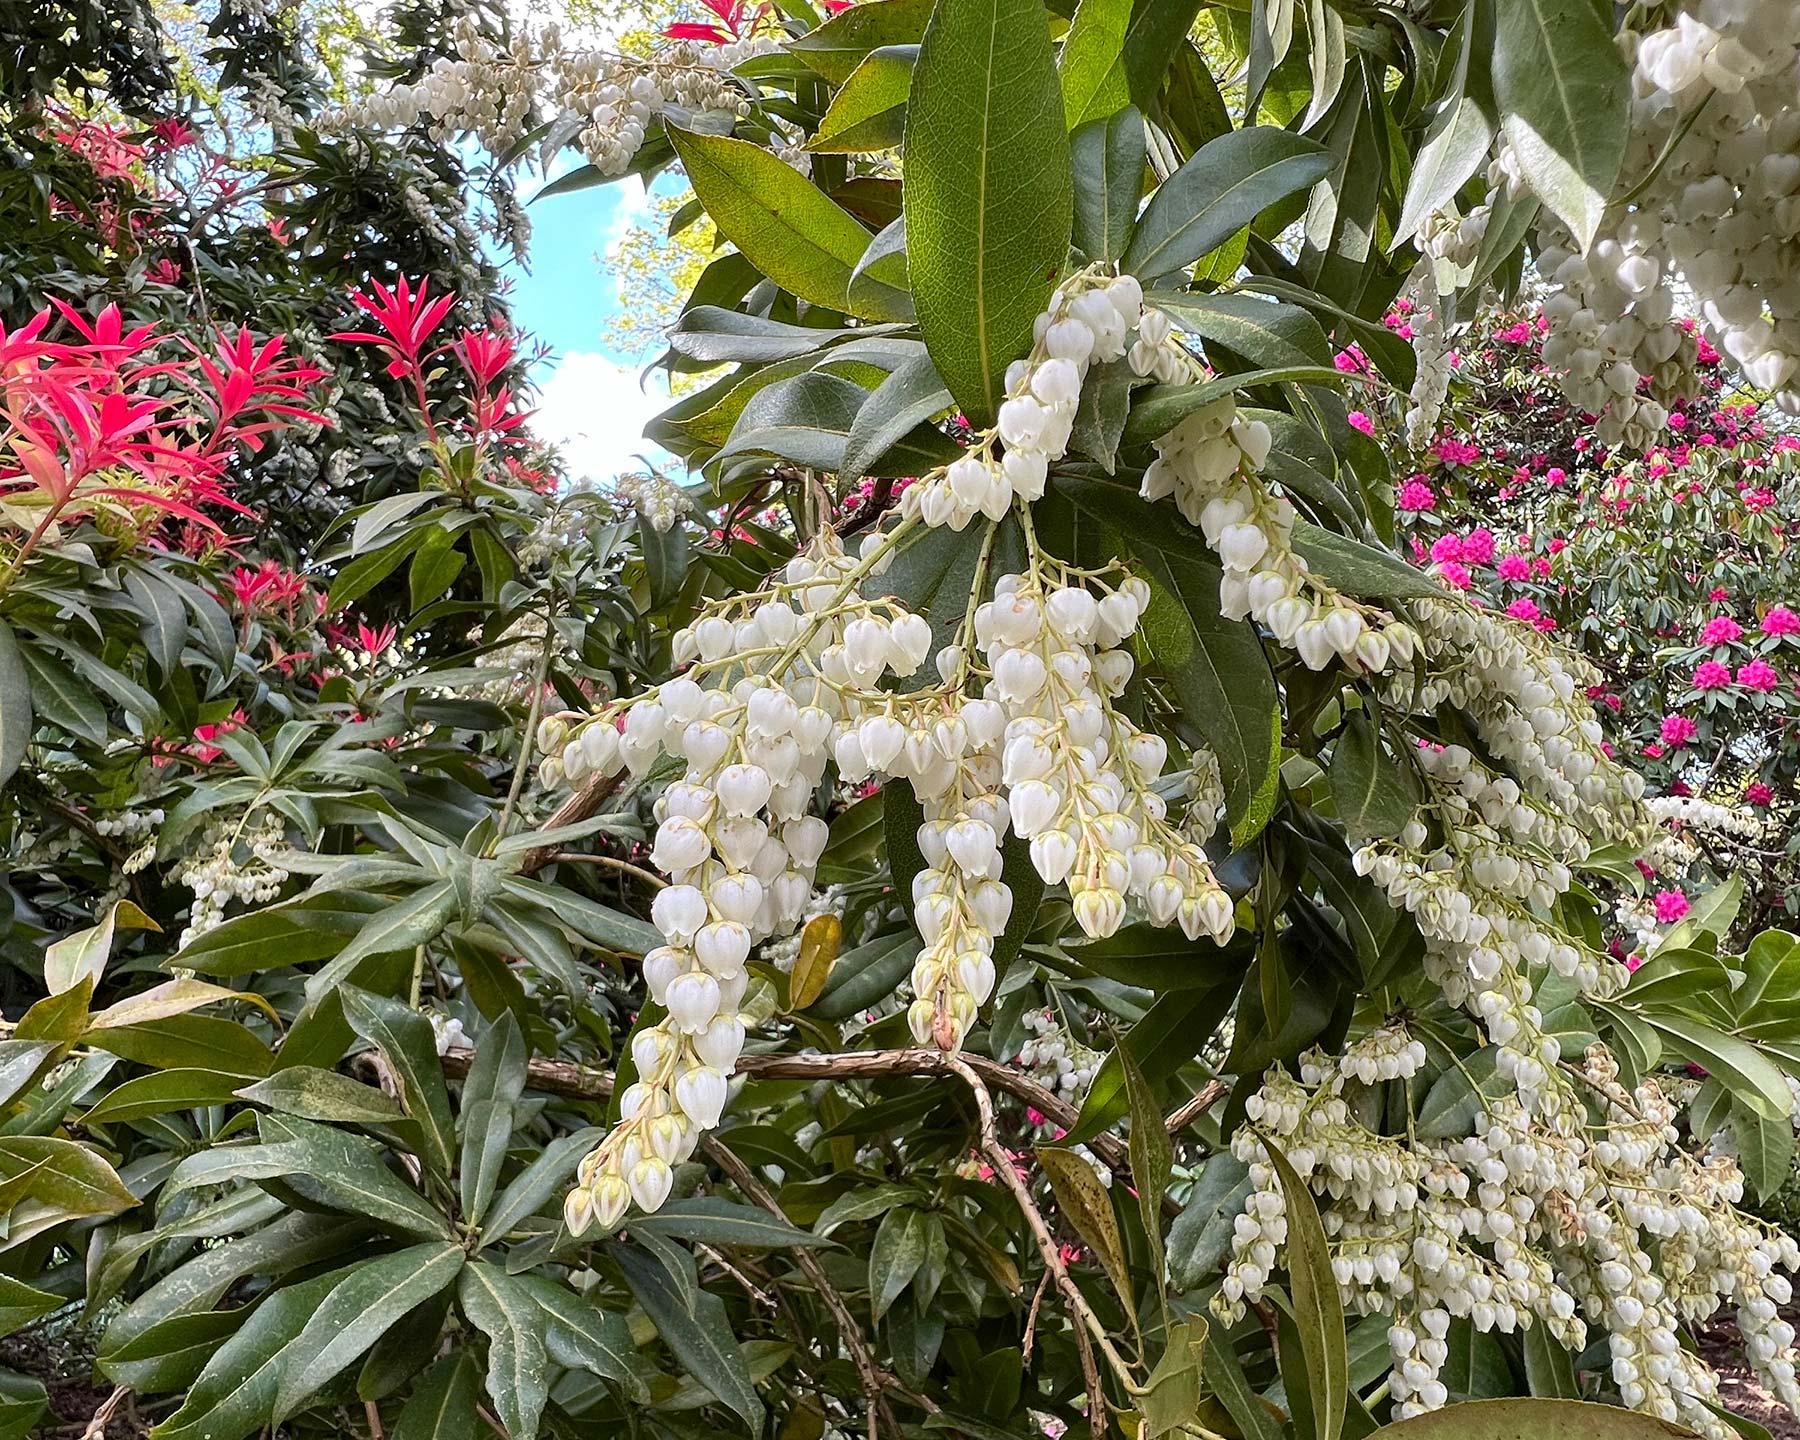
(594, 410)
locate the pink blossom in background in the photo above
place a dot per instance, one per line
(1416, 496)
(1781, 621)
(1513, 567)
(1720, 630)
(1478, 546)
(1653, 751)
(1523, 609)
(1678, 730)
(1447, 547)
(1555, 475)
(1670, 906)
(1758, 500)
(1758, 675)
(1712, 676)
(1360, 421)
(1758, 793)
(1454, 575)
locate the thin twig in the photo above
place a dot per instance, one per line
(1034, 1221)
(373, 1412)
(875, 1380)
(565, 1077)
(577, 857)
(101, 1418)
(584, 804)
(1210, 1094)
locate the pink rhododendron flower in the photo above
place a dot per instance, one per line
(1523, 609)
(1758, 675)
(1758, 793)
(1670, 906)
(1513, 567)
(1781, 621)
(1653, 751)
(1712, 676)
(1717, 594)
(1758, 500)
(1720, 630)
(1447, 547)
(1454, 575)
(1478, 546)
(1416, 496)
(1360, 421)
(1678, 730)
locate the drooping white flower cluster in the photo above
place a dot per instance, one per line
(1043, 753)
(1713, 169)
(499, 92)
(775, 676)
(1208, 463)
(1087, 323)
(1612, 327)
(233, 860)
(1735, 822)
(654, 496)
(1486, 855)
(1055, 1058)
(1597, 1218)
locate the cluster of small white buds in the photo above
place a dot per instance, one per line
(1713, 167)
(233, 860)
(129, 824)
(1053, 1056)
(1388, 1053)
(654, 496)
(1085, 324)
(1079, 774)
(786, 672)
(1523, 1221)
(1156, 355)
(1209, 464)
(499, 92)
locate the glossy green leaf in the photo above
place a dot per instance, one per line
(1462, 129)
(787, 227)
(162, 1092)
(895, 1257)
(366, 1300)
(1106, 156)
(16, 715)
(235, 1392)
(405, 1039)
(1087, 1205)
(988, 194)
(442, 1404)
(1226, 185)
(868, 113)
(315, 1094)
(1533, 1419)
(696, 1330)
(837, 47)
(1564, 94)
